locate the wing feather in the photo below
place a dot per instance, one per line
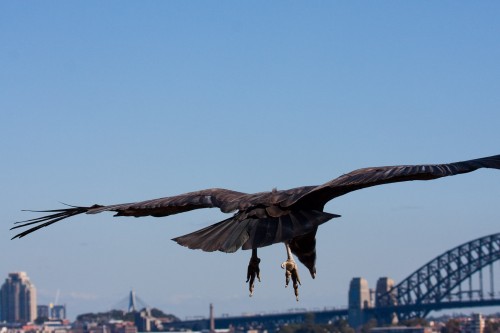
(44, 221)
(225, 200)
(367, 177)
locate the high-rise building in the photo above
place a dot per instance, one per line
(58, 311)
(476, 324)
(51, 311)
(43, 311)
(17, 299)
(143, 320)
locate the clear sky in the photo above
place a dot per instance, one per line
(122, 101)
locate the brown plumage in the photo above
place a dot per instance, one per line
(261, 219)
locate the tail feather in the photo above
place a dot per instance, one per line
(261, 232)
(249, 232)
(226, 236)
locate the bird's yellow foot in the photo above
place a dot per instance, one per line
(253, 271)
(292, 271)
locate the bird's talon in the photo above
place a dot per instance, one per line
(292, 273)
(253, 271)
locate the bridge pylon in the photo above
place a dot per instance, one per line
(132, 302)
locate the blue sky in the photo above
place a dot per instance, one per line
(120, 101)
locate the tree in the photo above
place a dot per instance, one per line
(369, 325)
(491, 326)
(415, 322)
(339, 326)
(452, 326)
(104, 317)
(41, 320)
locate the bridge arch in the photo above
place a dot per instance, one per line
(439, 281)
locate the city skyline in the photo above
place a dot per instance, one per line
(430, 288)
(125, 101)
(360, 297)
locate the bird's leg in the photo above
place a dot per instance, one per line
(253, 271)
(291, 271)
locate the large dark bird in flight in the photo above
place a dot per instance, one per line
(290, 216)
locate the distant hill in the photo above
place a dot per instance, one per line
(104, 317)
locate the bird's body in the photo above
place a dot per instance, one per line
(261, 219)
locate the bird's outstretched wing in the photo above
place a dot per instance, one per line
(368, 177)
(226, 200)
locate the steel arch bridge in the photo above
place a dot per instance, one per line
(439, 284)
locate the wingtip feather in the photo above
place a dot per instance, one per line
(46, 220)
